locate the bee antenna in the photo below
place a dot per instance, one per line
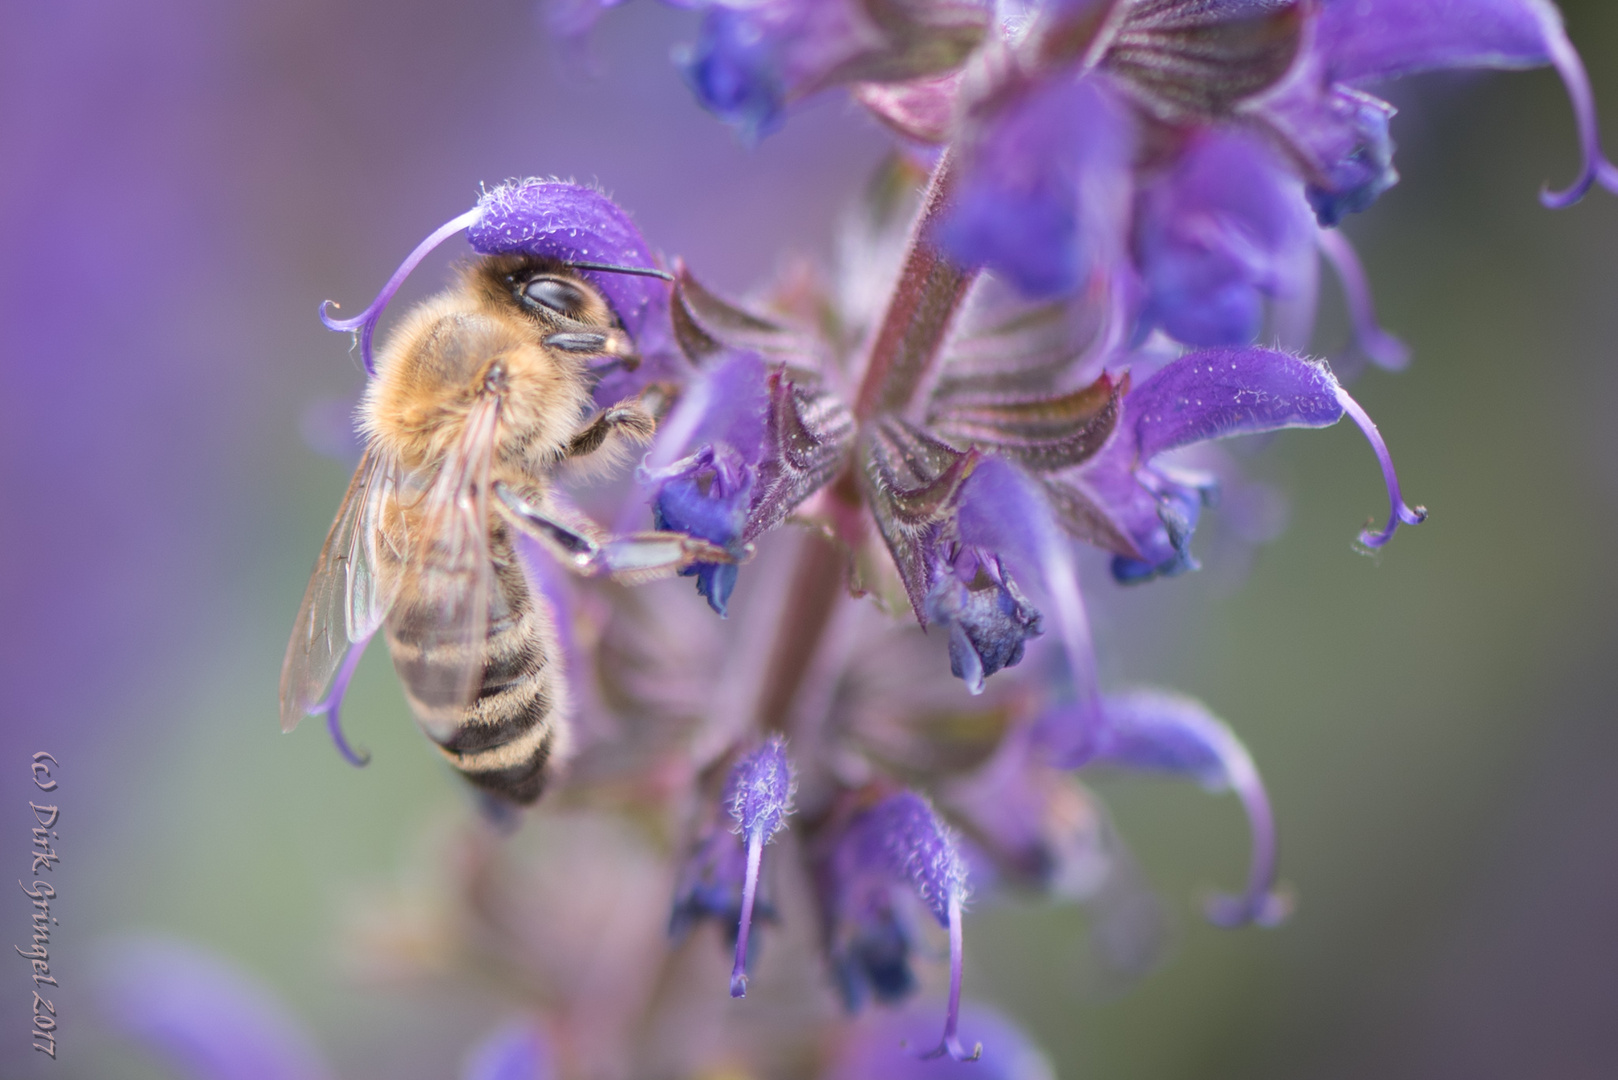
(638, 271)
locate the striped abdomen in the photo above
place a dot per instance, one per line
(515, 725)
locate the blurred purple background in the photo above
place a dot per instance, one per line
(183, 182)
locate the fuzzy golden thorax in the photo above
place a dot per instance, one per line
(485, 337)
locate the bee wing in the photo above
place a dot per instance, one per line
(441, 624)
(346, 600)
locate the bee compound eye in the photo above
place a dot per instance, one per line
(553, 294)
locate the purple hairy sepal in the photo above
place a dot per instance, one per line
(1223, 229)
(551, 218)
(1043, 185)
(707, 492)
(988, 617)
(898, 843)
(758, 797)
(517, 1050)
(1151, 731)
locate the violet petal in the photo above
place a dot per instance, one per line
(1043, 186)
(1369, 40)
(1151, 731)
(1216, 393)
(1225, 228)
(575, 223)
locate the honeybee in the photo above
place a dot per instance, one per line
(480, 396)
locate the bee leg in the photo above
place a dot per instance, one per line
(631, 559)
(613, 344)
(631, 418)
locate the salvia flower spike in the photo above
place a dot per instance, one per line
(759, 799)
(1125, 195)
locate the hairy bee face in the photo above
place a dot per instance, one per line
(519, 328)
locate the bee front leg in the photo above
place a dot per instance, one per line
(630, 418)
(631, 559)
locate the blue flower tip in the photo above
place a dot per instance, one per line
(738, 985)
(1560, 200)
(331, 323)
(1374, 540)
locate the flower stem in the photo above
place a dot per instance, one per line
(903, 353)
(817, 584)
(919, 314)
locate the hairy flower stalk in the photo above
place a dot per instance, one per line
(919, 313)
(1095, 211)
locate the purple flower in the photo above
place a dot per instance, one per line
(1035, 825)
(1043, 184)
(579, 225)
(899, 842)
(915, 484)
(1344, 137)
(1145, 510)
(759, 798)
(754, 57)
(708, 493)
(720, 880)
(1223, 228)
(1343, 132)
(711, 883)
(988, 617)
(1152, 731)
